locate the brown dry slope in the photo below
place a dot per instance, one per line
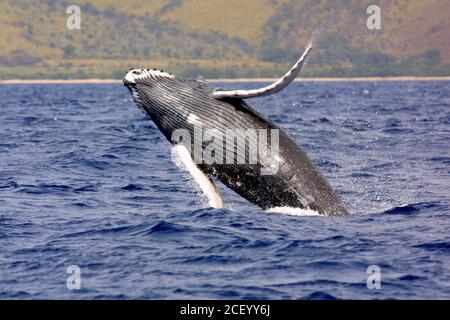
(223, 38)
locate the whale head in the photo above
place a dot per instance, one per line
(148, 84)
(172, 102)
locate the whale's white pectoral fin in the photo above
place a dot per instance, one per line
(206, 185)
(275, 87)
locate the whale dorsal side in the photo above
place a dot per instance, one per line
(275, 87)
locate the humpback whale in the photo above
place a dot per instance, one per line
(187, 110)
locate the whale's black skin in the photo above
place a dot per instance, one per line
(171, 101)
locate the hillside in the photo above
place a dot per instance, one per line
(223, 38)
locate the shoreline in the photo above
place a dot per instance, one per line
(325, 79)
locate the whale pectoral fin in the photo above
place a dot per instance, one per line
(203, 181)
(273, 88)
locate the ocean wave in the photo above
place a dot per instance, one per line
(87, 180)
(408, 209)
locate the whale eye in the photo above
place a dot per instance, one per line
(136, 72)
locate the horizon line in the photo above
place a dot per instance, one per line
(222, 80)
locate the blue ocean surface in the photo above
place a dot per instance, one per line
(87, 180)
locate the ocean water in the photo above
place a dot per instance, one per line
(87, 180)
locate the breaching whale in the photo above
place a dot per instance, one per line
(180, 106)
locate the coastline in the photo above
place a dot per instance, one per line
(347, 79)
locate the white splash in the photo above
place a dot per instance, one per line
(293, 211)
(182, 158)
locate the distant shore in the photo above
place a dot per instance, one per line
(94, 81)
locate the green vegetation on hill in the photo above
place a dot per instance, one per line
(234, 38)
